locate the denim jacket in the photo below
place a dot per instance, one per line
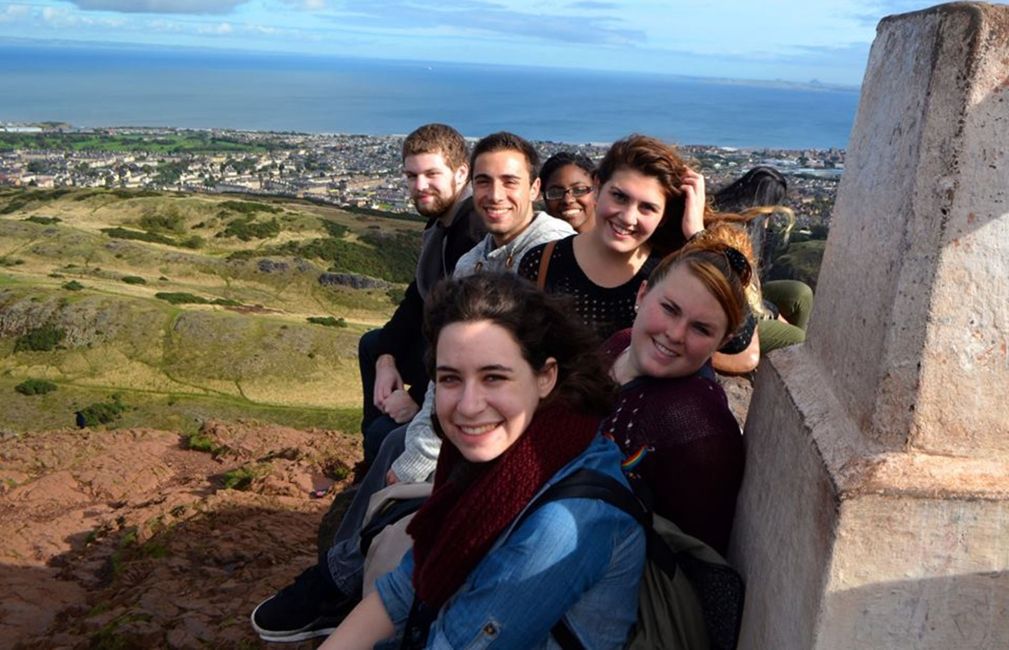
(577, 558)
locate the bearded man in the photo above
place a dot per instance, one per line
(393, 376)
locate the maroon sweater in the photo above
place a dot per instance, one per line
(690, 445)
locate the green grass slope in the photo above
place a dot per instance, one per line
(184, 304)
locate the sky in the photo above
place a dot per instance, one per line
(826, 41)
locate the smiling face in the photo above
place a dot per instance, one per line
(629, 208)
(485, 391)
(433, 185)
(503, 193)
(579, 211)
(679, 325)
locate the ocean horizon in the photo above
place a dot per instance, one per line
(96, 86)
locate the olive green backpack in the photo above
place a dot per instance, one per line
(690, 598)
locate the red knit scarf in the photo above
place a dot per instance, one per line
(472, 503)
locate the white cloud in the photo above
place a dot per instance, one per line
(13, 12)
(307, 5)
(161, 6)
(220, 29)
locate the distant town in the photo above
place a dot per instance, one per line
(361, 171)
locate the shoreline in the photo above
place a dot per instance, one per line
(50, 127)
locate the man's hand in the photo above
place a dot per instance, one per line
(387, 381)
(400, 406)
(694, 198)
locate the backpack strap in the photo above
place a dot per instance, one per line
(541, 277)
(418, 625)
(590, 484)
(717, 586)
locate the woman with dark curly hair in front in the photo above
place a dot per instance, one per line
(520, 392)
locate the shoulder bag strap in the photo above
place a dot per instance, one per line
(541, 277)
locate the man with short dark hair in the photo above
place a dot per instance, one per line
(504, 173)
(393, 376)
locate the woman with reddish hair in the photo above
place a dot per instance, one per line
(683, 448)
(648, 202)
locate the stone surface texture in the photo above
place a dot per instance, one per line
(875, 508)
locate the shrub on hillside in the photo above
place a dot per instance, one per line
(163, 219)
(11, 261)
(40, 339)
(73, 285)
(249, 207)
(225, 302)
(45, 221)
(180, 298)
(245, 229)
(390, 264)
(334, 229)
(16, 203)
(35, 387)
(241, 478)
(193, 242)
(328, 321)
(133, 279)
(124, 233)
(204, 443)
(100, 413)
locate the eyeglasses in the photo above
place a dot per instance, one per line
(558, 193)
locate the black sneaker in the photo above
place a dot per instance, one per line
(310, 607)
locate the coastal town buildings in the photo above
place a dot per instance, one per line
(346, 170)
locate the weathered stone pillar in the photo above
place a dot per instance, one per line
(875, 508)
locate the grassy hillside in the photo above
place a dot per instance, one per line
(190, 305)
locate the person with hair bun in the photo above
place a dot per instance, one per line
(682, 445)
(566, 181)
(521, 389)
(757, 196)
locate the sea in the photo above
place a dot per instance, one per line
(95, 86)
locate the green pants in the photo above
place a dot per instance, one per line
(794, 300)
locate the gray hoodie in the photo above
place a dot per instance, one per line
(419, 458)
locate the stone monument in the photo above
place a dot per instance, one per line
(874, 512)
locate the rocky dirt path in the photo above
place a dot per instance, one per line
(129, 539)
(123, 539)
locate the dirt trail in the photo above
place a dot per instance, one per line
(126, 539)
(122, 539)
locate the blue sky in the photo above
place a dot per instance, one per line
(792, 40)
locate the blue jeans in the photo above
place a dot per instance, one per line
(346, 564)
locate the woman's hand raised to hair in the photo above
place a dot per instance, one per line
(694, 198)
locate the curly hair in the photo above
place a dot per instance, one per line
(651, 157)
(437, 138)
(541, 324)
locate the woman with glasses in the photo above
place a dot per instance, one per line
(647, 204)
(566, 179)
